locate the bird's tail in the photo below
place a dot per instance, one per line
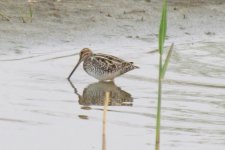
(134, 67)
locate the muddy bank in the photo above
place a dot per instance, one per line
(71, 25)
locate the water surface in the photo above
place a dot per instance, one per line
(40, 109)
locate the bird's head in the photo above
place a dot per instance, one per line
(84, 54)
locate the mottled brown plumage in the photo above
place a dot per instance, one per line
(102, 66)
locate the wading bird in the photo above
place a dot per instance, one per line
(102, 66)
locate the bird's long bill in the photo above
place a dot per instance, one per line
(74, 68)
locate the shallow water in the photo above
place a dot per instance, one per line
(40, 109)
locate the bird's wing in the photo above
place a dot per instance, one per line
(111, 63)
(110, 59)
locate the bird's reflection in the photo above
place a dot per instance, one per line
(103, 94)
(94, 94)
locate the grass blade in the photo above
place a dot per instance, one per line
(165, 65)
(163, 26)
(4, 16)
(30, 11)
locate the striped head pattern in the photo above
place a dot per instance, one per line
(85, 53)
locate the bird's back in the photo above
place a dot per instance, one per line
(106, 67)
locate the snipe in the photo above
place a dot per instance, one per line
(101, 66)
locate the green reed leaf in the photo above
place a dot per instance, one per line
(165, 65)
(163, 27)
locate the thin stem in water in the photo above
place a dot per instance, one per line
(159, 105)
(106, 103)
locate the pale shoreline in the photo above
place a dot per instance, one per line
(67, 25)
